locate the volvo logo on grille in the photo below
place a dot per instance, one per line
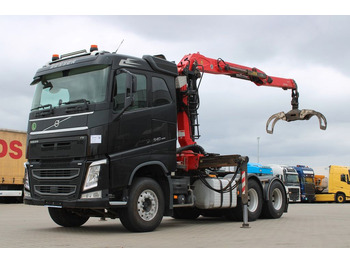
(57, 123)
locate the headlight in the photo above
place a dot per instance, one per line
(93, 174)
(26, 178)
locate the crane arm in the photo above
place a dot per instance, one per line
(194, 65)
(219, 66)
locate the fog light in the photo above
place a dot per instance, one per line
(95, 194)
(26, 193)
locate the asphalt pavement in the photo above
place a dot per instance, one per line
(305, 225)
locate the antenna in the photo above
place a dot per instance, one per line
(119, 46)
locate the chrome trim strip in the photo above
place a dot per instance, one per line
(59, 130)
(99, 162)
(118, 203)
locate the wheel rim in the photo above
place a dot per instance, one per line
(253, 200)
(147, 205)
(340, 198)
(276, 199)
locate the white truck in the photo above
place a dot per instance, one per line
(290, 178)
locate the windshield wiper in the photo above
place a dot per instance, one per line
(77, 107)
(43, 112)
(86, 102)
(48, 105)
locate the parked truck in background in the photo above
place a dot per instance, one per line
(290, 178)
(102, 137)
(307, 185)
(259, 169)
(12, 159)
(335, 187)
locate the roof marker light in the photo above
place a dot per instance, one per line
(93, 48)
(55, 57)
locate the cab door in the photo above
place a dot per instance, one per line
(130, 129)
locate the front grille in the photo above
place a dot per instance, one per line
(63, 190)
(56, 173)
(54, 181)
(294, 194)
(309, 189)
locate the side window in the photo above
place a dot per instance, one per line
(160, 92)
(342, 178)
(140, 97)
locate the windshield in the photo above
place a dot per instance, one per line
(292, 178)
(86, 84)
(307, 180)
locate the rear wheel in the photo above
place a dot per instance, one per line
(276, 203)
(66, 218)
(145, 208)
(254, 204)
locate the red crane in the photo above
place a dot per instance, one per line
(192, 67)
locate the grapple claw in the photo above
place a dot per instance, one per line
(294, 115)
(275, 118)
(306, 114)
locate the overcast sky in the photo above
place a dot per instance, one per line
(312, 50)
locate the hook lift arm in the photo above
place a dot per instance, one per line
(194, 64)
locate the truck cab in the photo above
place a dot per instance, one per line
(290, 178)
(307, 185)
(335, 186)
(97, 119)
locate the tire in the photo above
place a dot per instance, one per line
(66, 218)
(340, 198)
(186, 213)
(145, 208)
(274, 207)
(255, 204)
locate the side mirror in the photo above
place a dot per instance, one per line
(130, 89)
(131, 84)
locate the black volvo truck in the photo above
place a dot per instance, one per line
(102, 142)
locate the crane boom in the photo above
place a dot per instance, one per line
(194, 65)
(219, 66)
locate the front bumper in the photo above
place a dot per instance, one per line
(80, 203)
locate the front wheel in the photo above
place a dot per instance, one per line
(340, 198)
(145, 208)
(66, 218)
